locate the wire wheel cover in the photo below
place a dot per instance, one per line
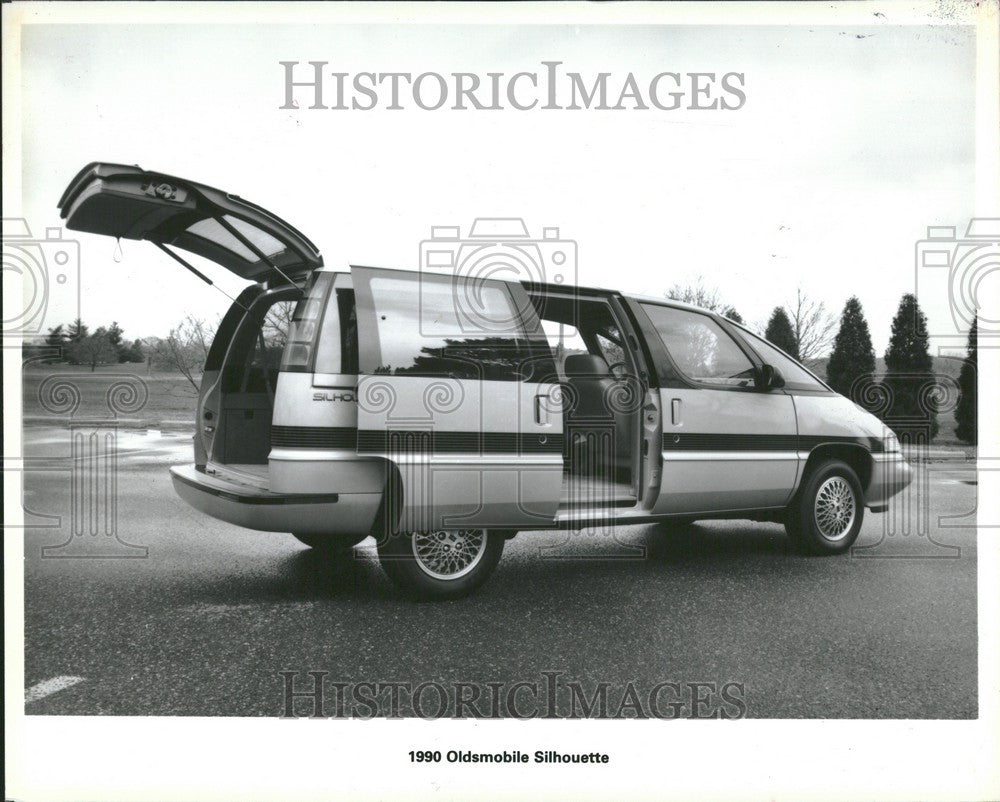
(449, 554)
(835, 508)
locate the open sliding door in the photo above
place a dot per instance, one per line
(458, 392)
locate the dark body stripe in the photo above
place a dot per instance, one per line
(377, 442)
(691, 441)
(435, 442)
(371, 441)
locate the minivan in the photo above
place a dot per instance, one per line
(441, 411)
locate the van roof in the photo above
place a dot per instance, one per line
(663, 301)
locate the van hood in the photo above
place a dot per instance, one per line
(836, 416)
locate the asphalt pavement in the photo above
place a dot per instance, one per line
(168, 612)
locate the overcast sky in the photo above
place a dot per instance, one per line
(851, 142)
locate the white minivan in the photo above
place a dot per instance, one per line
(443, 411)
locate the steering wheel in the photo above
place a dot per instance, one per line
(624, 368)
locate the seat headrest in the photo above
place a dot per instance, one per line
(586, 365)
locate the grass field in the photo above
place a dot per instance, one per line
(59, 392)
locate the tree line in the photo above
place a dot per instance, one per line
(909, 369)
(183, 350)
(806, 332)
(77, 345)
(803, 330)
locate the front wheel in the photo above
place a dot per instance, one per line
(826, 515)
(445, 564)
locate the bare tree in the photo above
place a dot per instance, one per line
(93, 349)
(813, 326)
(277, 324)
(699, 294)
(696, 293)
(185, 349)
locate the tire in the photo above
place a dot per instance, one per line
(329, 543)
(826, 514)
(442, 564)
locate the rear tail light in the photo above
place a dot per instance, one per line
(296, 355)
(302, 332)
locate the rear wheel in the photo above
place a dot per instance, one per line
(329, 543)
(826, 515)
(445, 564)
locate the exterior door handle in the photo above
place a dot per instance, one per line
(675, 411)
(541, 412)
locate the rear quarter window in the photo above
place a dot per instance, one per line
(323, 332)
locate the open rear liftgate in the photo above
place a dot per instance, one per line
(127, 202)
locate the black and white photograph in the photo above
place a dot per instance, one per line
(515, 400)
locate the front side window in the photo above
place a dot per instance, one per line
(433, 326)
(796, 377)
(700, 347)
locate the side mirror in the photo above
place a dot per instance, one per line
(769, 378)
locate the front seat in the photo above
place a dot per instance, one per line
(591, 420)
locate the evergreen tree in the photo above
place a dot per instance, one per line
(853, 355)
(133, 352)
(731, 313)
(55, 344)
(94, 349)
(56, 337)
(966, 410)
(909, 369)
(77, 331)
(779, 332)
(115, 333)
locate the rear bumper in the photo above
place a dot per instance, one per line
(254, 508)
(891, 474)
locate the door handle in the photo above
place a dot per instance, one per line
(541, 412)
(675, 411)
